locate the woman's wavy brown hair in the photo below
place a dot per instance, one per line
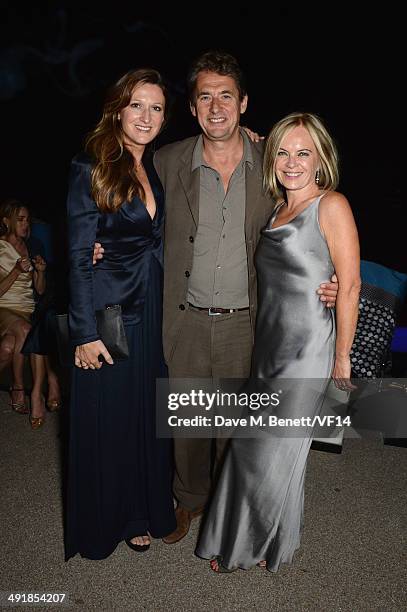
(114, 180)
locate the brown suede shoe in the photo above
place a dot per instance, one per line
(184, 518)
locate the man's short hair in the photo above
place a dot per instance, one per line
(220, 62)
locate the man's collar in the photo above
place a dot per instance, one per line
(197, 156)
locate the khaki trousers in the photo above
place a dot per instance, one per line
(209, 347)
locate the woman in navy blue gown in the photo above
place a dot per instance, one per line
(119, 481)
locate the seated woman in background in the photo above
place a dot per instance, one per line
(22, 279)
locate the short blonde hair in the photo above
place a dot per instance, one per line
(326, 148)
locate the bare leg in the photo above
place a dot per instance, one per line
(11, 345)
(54, 391)
(19, 329)
(37, 399)
(7, 345)
(17, 395)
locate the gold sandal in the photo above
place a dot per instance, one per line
(37, 422)
(19, 407)
(53, 405)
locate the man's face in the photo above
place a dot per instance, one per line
(217, 105)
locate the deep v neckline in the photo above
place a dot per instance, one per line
(137, 204)
(155, 202)
(146, 209)
(149, 177)
(155, 212)
(144, 204)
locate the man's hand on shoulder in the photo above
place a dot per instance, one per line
(254, 136)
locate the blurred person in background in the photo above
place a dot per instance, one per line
(22, 284)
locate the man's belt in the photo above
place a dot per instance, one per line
(217, 311)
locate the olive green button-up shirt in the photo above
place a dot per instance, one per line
(219, 275)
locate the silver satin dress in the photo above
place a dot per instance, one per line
(257, 508)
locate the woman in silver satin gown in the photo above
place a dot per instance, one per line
(257, 509)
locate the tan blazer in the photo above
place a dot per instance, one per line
(173, 165)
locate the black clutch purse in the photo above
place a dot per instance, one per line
(110, 328)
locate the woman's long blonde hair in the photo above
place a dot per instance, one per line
(326, 148)
(114, 180)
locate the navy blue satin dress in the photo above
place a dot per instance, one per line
(120, 474)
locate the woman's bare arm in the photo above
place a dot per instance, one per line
(337, 223)
(39, 274)
(21, 265)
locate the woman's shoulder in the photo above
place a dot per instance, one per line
(6, 249)
(334, 210)
(333, 198)
(5, 245)
(333, 203)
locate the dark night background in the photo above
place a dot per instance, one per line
(57, 59)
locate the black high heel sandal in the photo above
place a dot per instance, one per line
(138, 547)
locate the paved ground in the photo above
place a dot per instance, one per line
(352, 555)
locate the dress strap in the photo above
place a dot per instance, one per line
(275, 213)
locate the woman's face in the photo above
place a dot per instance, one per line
(297, 160)
(22, 222)
(143, 118)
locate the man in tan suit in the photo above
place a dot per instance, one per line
(215, 209)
